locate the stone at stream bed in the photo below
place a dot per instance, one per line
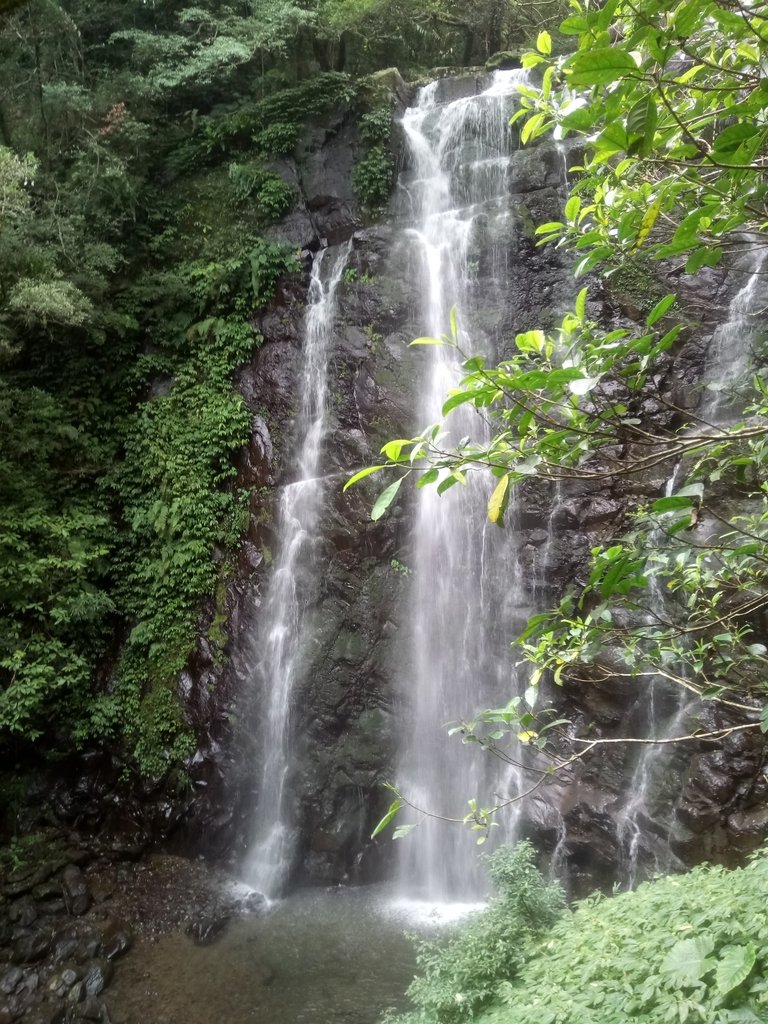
(116, 939)
(204, 930)
(9, 980)
(77, 941)
(97, 976)
(31, 945)
(75, 888)
(90, 1009)
(23, 911)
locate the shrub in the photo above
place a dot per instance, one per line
(460, 976)
(685, 948)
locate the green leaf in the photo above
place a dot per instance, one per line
(454, 324)
(461, 397)
(732, 138)
(394, 807)
(427, 478)
(734, 966)
(531, 341)
(646, 224)
(660, 309)
(362, 474)
(688, 961)
(708, 257)
(583, 386)
(599, 66)
(572, 208)
(671, 504)
(385, 499)
(544, 42)
(429, 341)
(498, 501)
(392, 449)
(573, 26)
(581, 304)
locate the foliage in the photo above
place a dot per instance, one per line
(674, 164)
(458, 977)
(420, 33)
(670, 100)
(252, 181)
(117, 408)
(373, 178)
(684, 948)
(135, 184)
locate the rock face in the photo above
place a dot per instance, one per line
(346, 718)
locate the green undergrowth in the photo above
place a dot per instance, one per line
(686, 948)
(267, 127)
(374, 174)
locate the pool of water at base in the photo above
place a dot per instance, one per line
(322, 956)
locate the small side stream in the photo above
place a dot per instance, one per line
(322, 956)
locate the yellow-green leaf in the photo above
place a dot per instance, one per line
(646, 224)
(497, 501)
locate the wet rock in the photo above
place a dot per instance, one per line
(748, 828)
(23, 911)
(206, 929)
(124, 834)
(77, 942)
(253, 903)
(76, 994)
(31, 945)
(10, 980)
(61, 982)
(96, 977)
(75, 889)
(90, 1009)
(116, 939)
(46, 1013)
(69, 976)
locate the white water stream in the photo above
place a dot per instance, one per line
(669, 708)
(282, 636)
(731, 348)
(466, 589)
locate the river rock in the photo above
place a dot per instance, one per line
(116, 938)
(10, 979)
(76, 895)
(206, 929)
(31, 945)
(97, 976)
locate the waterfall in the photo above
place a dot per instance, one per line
(669, 708)
(730, 350)
(467, 593)
(664, 707)
(282, 638)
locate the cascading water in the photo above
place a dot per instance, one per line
(665, 708)
(669, 708)
(731, 347)
(467, 593)
(282, 638)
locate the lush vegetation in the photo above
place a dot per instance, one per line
(137, 185)
(684, 948)
(667, 100)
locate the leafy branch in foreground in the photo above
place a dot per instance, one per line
(668, 100)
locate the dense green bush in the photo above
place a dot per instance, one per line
(459, 976)
(685, 948)
(688, 947)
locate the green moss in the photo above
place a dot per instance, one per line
(634, 285)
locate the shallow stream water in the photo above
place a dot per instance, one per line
(330, 956)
